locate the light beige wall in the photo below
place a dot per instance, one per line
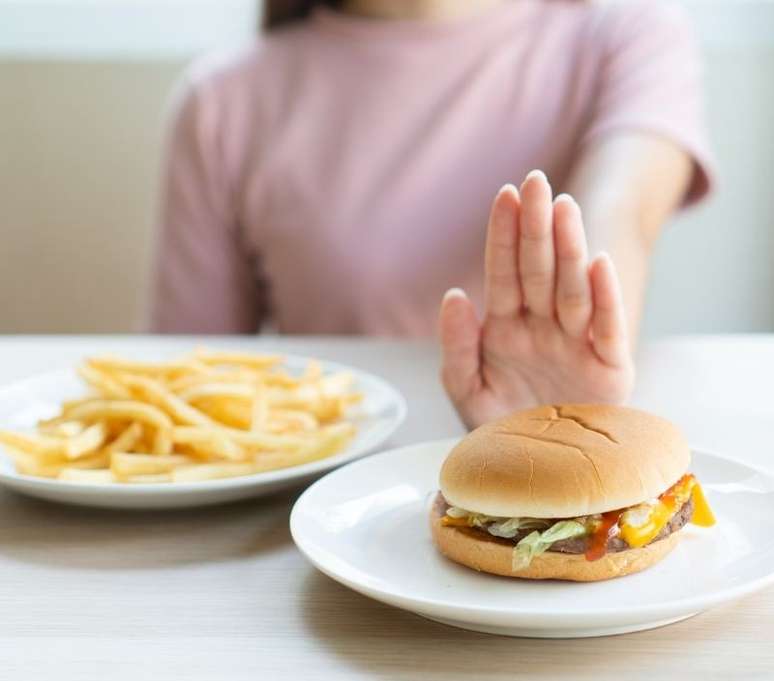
(79, 149)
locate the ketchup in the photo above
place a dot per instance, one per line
(669, 497)
(597, 547)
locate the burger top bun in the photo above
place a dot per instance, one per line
(564, 461)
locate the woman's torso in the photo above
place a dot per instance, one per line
(364, 155)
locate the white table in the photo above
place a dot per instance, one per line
(221, 593)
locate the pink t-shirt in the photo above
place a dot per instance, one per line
(336, 177)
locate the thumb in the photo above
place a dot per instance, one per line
(460, 345)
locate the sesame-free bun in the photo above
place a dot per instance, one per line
(564, 461)
(480, 552)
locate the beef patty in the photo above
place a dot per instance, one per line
(578, 544)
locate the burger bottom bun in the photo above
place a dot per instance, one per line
(469, 548)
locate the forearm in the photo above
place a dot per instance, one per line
(628, 186)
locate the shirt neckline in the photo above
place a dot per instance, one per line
(413, 30)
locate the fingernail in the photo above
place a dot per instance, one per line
(508, 188)
(454, 293)
(538, 174)
(564, 197)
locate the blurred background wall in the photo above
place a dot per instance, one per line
(83, 91)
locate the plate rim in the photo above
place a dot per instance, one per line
(415, 603)
(399, 404)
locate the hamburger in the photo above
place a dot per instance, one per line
(578, 492)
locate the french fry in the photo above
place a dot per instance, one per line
(128, 438)
(313, 371)
(99, 459)
(39, 444)
(212, 441)
(333, 439)
(232, 413)
(157, 394)
(68, 405)
(257, 441)
(282, 420)
(93, 477)
(60, 428)
(28, 463)
(201, 453)
(86, 442)
(222, 390)
(226, 448)
(231, 376)
(112, 364)
(237, 359)
(324, 408)
(103, 383)
(259, 409)
(280, 379)
(196, 367)
(120, 410)
(125, 466)
(162, 442)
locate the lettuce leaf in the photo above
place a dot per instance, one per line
(474, 519)
(536, 542)
(510, 527)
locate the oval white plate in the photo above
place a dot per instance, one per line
(366, 526)
(22, 404)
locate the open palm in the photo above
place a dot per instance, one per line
(553, 327)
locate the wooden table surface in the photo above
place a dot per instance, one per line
(222, 593)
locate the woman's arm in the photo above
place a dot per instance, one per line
(204, 279)
(628, 185)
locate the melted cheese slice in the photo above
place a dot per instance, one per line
(449, 521)
(642, 524)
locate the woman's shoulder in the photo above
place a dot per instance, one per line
(651, 11)
(597, 29)
(239, 72)
(238, 90)
(233, 68)
(624, 20)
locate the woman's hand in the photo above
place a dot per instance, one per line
(554, 328)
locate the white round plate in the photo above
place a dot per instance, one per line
(366, 526)
(22, 404)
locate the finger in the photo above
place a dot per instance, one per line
(573, 290)
(501, 282)
(460, 339)
(536, 245)
(608, 325)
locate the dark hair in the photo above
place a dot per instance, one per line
(280, 12)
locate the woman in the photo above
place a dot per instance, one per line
(336, 178)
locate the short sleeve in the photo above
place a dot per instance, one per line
(204, 278)
(650, 79)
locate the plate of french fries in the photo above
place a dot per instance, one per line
(204, 428)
